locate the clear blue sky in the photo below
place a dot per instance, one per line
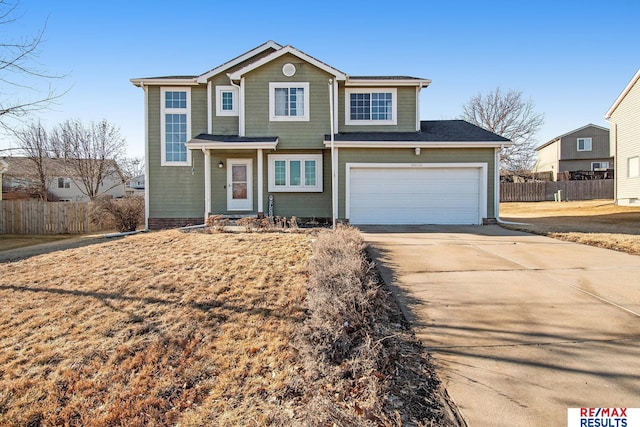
(572, 58)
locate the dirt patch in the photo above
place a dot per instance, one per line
(594, 222)
(12, 241)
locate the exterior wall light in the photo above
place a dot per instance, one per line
(417, 151)
(220, 165)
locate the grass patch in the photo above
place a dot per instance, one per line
(195, 329)
(594, 222)
(13, 241)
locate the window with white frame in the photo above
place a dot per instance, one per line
(226, 101)
(371, 106)
(289, 101)
(295, 173)
(584, 144)
(64, 183)
(633, 164)
(175, 126)
(599, 166)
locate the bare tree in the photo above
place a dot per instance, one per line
(131, 167)
(91, 153)
(511, 116)
(20, 70)
(34, 143)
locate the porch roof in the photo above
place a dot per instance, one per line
(206, 141)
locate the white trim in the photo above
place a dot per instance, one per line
(249, 200)
(339, 75)
(209, 108)
(585, 139)
(272, 101)
(241, 118)
(624, 93)
(387, 82)
(272, 188)
(636, 168)
(347, 107)
(419, 144)
(164, 81)
(234, 100)
(418, 109)
(201, 144)
(207, 184)
(147, 181)
(482, 211)
(253, 52)
(260, 181)
(163, 112)
(599, 165)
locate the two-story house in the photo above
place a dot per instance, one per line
(624, 117)
(582, 149)
(275, 131)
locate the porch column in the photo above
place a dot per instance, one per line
(260, 184)
(207, 183)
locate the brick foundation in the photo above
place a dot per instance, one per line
(162, 223)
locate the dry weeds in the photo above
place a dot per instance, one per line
(593, 222)
(157, 329)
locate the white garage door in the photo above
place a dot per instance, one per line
(415, 195)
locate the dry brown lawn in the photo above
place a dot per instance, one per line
(593, 222)
(157, 329)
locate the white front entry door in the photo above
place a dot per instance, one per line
(239, 185)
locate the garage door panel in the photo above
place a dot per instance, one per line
(384, 195)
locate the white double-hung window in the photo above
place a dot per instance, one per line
(295, 173)
(584, 144)
(371, 106)
(289, 101)
(226, 101)
(175, 124)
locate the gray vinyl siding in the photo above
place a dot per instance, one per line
(174, 191)
(599, 145)
(582, 165)
(626, 138)
(291, 134)
(406, 114)
(406, 155)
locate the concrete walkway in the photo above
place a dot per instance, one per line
(521, 327)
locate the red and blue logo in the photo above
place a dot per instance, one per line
(603, 417)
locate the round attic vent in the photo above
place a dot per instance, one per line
(288, 69)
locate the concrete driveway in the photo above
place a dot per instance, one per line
(521, 327)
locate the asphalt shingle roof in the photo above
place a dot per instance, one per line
(430, 131)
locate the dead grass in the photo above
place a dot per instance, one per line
(157, 329)
(594, 222)
(196, 329)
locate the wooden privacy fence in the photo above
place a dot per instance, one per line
(35, 217)
(545, 191)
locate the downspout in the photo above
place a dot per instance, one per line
(240, 105)
(333, 163)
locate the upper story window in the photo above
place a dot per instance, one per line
(175, 126)
(295, 172)
(584, 144)
(633, 167)
(289, 101)
(226, 101)
(371, 106)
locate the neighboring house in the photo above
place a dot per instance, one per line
(624, 119)
(135, 186)
(582, 149)
(263, 133)
(21, 178)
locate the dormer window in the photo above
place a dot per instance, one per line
(371, 106)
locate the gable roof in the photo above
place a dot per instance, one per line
(446, 133)
(238, 59)
(557, 138)
(339, 75)
(624, 93)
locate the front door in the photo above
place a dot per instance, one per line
(239, 185)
